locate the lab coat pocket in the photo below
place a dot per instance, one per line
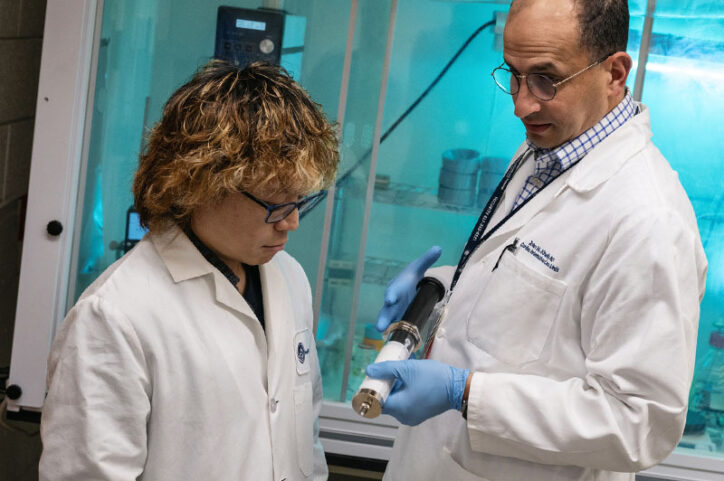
(514, 313)
(304, 419)
(448, 468)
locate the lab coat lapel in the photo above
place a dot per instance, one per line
(280, 330)
(506, 205)
(184, 261)
(507, 230)
(594, 169)
(229, 296)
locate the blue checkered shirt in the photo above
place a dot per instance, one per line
(549, 163)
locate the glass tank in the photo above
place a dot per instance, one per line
(418, 96)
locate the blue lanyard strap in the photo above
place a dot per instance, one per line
(477, 237)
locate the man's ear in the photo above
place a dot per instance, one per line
(620, 66)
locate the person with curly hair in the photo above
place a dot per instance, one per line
(193, 357)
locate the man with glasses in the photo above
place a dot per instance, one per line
(192, 357)
(567, 345)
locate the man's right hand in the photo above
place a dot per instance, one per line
(401, 290)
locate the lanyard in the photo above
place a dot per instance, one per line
(477, 237)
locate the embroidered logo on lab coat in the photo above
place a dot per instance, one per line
(302, 342)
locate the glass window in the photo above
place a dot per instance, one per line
(420, 191)
(684, 88)
(147, 49)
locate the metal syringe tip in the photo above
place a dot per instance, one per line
(364, 408)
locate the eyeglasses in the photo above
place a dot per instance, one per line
(541, 86)
(278, 212)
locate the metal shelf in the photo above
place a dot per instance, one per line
(376, 271)
(405, 195)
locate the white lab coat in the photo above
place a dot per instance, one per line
(162, 372)
(582, 340)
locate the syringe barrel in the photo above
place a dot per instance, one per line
(430, 291)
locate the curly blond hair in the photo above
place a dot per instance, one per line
(228, 130)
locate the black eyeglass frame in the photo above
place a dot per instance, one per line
(302, 205)
(553, 84)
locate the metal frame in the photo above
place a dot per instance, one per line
(359, 269)
(688, 467)
(329, 206)
(83, 173)
(342, 431)
(644, 50)
(57, 145)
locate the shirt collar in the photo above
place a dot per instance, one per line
(561, 157)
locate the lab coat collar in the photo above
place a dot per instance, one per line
(595, 168)
(608, 157)
(612, 153)
(520, 218)
(184, 262)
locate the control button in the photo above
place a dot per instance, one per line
(266, 46)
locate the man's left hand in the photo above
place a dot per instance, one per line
(423, 388)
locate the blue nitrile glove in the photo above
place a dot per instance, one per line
(423, 388)
(401, 290)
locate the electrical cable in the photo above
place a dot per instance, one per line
(412, 106)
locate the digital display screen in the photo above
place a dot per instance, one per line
(250, 24)
(135, 231)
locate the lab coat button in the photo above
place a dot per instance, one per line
(441, 332)
(273, 405)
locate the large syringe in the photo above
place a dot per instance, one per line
(403, 338)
